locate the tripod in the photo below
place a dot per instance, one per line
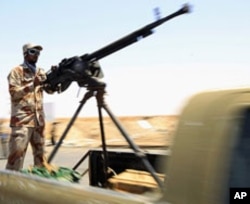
(98, 92)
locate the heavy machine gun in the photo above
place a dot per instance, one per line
(85, 69)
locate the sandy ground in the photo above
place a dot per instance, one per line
(143, 130)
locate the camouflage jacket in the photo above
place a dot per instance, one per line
(26, 96)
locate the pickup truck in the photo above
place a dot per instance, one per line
(209, 155)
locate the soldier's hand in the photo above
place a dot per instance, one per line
(54, 67)
(39, 79)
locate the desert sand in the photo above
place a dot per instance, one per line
(149, 131)
(154, 131)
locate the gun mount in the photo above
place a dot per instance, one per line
(85, 69)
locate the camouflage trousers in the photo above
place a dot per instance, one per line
(19, 139)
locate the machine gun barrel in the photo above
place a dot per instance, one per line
(132, 37)
(85, 69)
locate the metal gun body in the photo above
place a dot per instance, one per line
(133, 37)
(82, 69)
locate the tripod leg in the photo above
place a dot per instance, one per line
(86, 97)
(138, 152)
(105, 155)
(81, 160)
(99, 98)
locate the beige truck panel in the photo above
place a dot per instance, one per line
(198, 169)
(19, 188)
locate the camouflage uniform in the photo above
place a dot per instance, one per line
(27, 116)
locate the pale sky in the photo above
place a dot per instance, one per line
(206, 49)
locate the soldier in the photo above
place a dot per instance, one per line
(27, 120)
(53, 132)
